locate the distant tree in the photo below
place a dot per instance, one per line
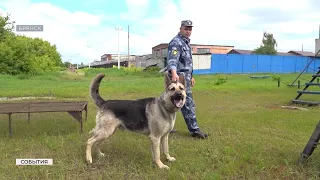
(66, 64)
(6, 27)
(268, 46)
(25, 55)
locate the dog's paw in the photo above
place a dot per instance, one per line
(164, 167)
(161, 165)
(171, 159)
(89, 161)
(100, 154)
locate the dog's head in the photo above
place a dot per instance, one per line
(175, 95)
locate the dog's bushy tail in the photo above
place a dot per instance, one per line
(94, 90)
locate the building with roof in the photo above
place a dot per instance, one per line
(161, 50)
(317, 45)
(240, 51)
(290, 53)
(303, 53)
(109, 57)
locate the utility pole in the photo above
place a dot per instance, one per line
(89, 46)
(118, 29)
(128, 45)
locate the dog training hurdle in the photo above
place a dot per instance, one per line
(73, 108)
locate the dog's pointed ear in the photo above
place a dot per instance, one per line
(167, 80)
(182, 80)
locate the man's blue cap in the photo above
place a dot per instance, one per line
(186, 23)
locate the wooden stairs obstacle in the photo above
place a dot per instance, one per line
(307, 85)
(305, 91)
(317, 55)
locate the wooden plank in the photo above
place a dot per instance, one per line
(10, 127)
(313, 84)
(25, 107)
(260, 77)
(306, 102)
(294, 107)
(309, 92)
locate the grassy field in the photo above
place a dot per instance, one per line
(250, 135)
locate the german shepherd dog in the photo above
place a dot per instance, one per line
(153, 116)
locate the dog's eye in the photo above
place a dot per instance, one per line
(172, 89)
(181, 88)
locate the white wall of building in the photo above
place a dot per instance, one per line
(201, 61)
(317, 45)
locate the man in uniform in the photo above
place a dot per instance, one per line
(179, 61)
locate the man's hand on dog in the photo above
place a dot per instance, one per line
(175, 77)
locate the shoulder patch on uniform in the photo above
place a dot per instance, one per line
(174, 51)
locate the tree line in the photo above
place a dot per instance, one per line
(20, 54)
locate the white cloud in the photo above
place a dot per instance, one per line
(215, 22)
(228, 23)
(223, 22)
(136, 9)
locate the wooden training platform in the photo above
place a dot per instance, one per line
(73, 108)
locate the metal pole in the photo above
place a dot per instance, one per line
(128, 46)
(89, 58)
(118, 52)
(118, 29)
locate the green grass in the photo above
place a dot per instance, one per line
(250, 135)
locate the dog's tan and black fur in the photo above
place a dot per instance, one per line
(153, 116)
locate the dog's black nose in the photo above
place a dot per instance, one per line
(178, 94)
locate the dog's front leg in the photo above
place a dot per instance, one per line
(155, 146)
(165, 147)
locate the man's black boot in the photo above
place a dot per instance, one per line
(199, 134)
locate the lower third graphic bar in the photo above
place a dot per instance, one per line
(34, 162)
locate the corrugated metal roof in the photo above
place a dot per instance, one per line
(242, 51)
(285, 54)
(303, 53)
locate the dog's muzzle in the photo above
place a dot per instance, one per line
(177, 99)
